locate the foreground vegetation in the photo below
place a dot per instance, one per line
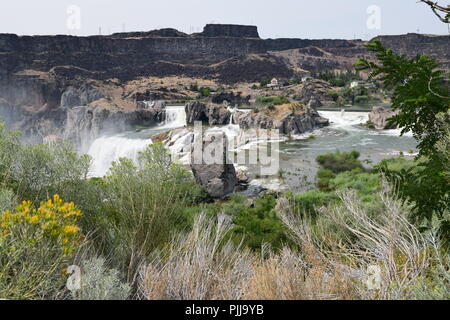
(147, 231)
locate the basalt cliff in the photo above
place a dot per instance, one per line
(43, 78)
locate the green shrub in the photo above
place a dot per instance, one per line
(259, 225)
(205, 92)
(323, 179)
(308, 202)
(339, 162)
(39, 170)
(361, 99)
(264, 83)
(271, 107)
(275, 100)
(337, 82)
(7, 200)
(143, 205)
(334, 95)
(365, 184)
(9, 148)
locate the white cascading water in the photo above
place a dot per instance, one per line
(106, 150)
(345, 119)
(349, 120)
(175, 117)
(232, 112)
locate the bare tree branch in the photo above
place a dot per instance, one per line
(440, 11)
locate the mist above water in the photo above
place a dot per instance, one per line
(107, 149)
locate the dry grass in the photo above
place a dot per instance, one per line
(388, 241)
(198, 266)
(293, 276)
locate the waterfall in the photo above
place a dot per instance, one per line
(105, 150)
(175, 117)
(345, 119)
(232, 111)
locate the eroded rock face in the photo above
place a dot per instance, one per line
(218, 180)
(380, 116)
(290, 123)
(85, 124)
(80, 97)
(313, 93)
(230, 30)
(210, 114)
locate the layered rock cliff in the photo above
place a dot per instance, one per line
(42, 77)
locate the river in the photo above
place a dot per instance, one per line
(297, 155)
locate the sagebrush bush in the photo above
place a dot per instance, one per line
(100, 283)
(143, 205)
(40, 170)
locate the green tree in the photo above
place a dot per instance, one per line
(421, 97)
(420, 92)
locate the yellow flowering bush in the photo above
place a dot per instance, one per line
(36, 244)
(54, 220)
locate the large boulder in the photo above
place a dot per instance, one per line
(230, 97)
(218, 179)
(313, 93)
(287, 122)
(380, 116)
(209, 114)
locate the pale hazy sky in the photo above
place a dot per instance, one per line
(275, 19)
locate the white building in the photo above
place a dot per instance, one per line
(274, 83)
(355, 84)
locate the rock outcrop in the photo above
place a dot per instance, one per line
(287, 123)
(229, 30)
(80, 97)
(219, 179)
(230, 97)
(379, 118)
(313, 93)
(209, 114)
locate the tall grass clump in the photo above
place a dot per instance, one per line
(388, 241)
(291, 275)
(199, 265)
